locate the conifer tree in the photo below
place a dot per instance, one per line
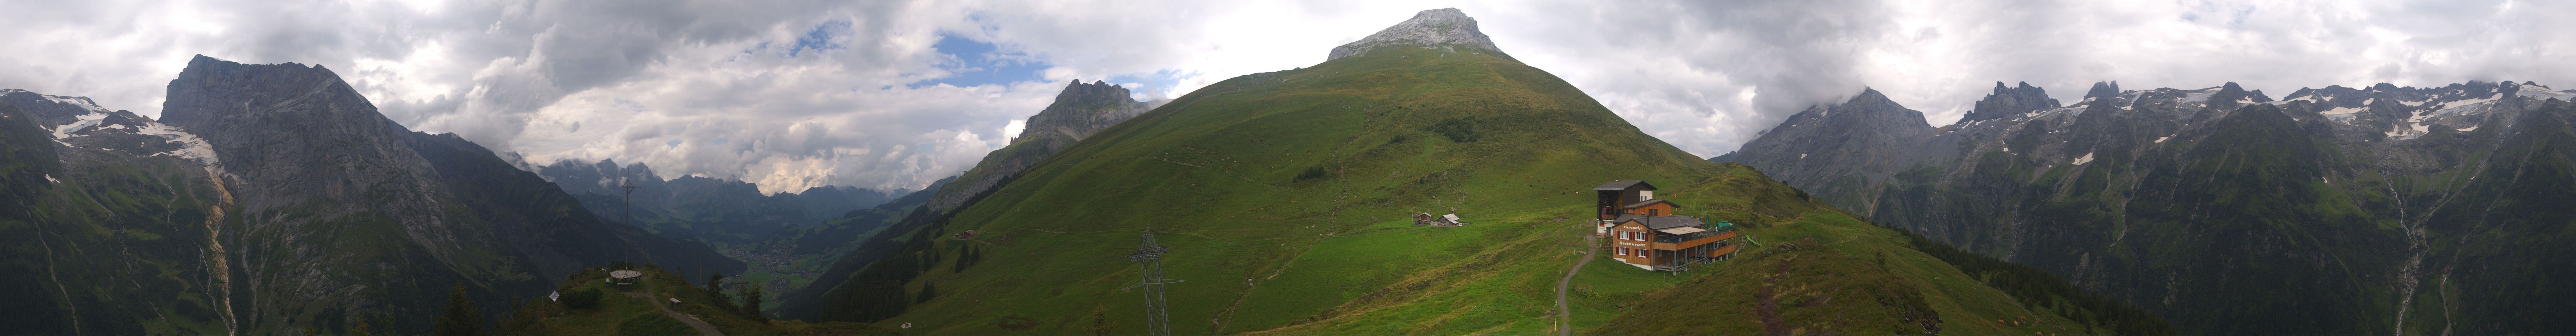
(751, 302)
(927, 292)
(459, 318)
(715, 283)
(358, 327)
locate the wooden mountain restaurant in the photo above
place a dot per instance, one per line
(1644, 231)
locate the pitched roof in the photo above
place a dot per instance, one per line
(1682, 230)
(1661, 222)
(1646, 203)
(1623, 185)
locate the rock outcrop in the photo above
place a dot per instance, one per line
(2008, 101)
(2102, 90)
(1445, 28)
(1082, 109)
(1078, 112)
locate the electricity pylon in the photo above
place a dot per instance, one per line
(1158, 319)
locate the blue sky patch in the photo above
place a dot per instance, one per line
(972, 63)
(819, 39)
(1149, 85)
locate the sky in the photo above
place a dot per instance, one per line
(890, 95)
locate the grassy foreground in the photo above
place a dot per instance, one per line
(1286, 197)
(634, 310)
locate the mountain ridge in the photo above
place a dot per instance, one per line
(1303, 185)
(337, 213)
(2103, 191)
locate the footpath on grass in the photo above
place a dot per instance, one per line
(693, 321)
(1565, 317)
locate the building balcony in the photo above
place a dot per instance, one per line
(1678, 244)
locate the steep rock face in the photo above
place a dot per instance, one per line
(1082, 109)
(2008, 101)
(2334, 210)
(342, 212)
(1445, 29)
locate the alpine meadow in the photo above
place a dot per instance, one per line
(1170, 168)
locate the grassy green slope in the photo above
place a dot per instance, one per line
(1219, 171)
(1286, 197)
(638, 310)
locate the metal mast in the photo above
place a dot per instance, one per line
(1158, 320)
(630, 200)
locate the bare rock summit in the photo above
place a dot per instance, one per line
(1445, 28)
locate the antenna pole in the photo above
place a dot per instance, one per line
(1158, 319)
(630, 200)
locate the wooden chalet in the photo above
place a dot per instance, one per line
(1645, 232)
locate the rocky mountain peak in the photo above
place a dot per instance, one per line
(1082, 109)
(1868, 96)
(1434, 29)
(211, 89)
(2009, 101)
(2229, 95)
(1094, 93)
(2103, 90)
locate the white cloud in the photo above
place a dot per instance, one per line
(707, 88)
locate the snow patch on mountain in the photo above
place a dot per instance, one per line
(2546, 94)
(2201, 95)
(190, 146)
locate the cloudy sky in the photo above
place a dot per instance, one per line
(896, 94)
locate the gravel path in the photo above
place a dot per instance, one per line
(664, 304)
(1566, 326)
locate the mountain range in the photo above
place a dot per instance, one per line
(274, 199)
(2372, 210)
(722, 211)
(1287, 200)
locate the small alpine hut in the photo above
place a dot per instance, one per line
(1648, 235)
(1441, 220)
(625, 277)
